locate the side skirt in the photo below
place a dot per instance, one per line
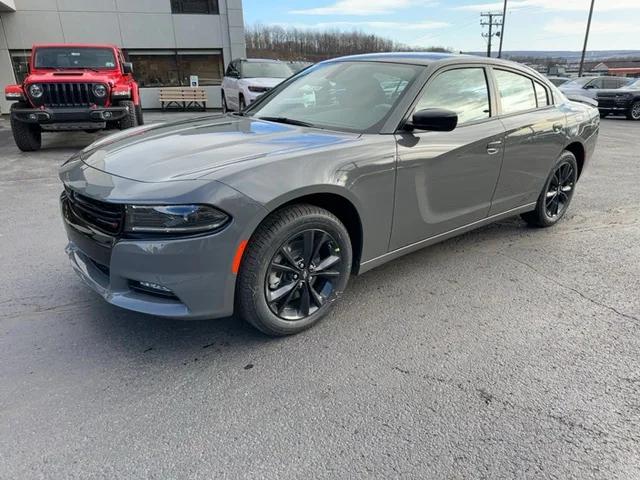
(387, 257)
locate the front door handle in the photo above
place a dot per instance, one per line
(494, 147)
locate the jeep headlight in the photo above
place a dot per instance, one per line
(99, 90)
(176, 219)
(36, 90)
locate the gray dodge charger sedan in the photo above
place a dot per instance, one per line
(341, 168)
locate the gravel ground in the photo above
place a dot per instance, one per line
(508, 352)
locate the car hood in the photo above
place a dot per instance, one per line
(199, 147)
(48, 76)
(264, 82)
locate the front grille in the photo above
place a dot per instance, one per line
(105, 217)
(68, 95)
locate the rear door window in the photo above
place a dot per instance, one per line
(516, 92)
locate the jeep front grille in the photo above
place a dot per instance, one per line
(68, 95)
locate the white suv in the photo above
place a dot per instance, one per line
(247, 79)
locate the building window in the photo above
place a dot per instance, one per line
(169, 68)
(203, 7)
(20, 62)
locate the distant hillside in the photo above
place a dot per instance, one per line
(568, 55)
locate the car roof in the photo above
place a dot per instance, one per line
(433, 58)
(259, 60)
(73, 45)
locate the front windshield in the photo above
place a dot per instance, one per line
(266, 70)
(65, 57)
(351, 96)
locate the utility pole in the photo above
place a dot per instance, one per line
(492, 22)
(504, 19)
(586, 39)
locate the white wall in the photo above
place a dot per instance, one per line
(131, 24)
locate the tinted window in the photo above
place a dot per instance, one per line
(463, 90)
(516, 92)
(194, 6)
(611, 83)
(351, 96)
(596, 83)
(541, 95)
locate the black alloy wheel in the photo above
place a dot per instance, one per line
(634, 112)
(556, 194)
(303, 275)
(560, 190)
(294, 270)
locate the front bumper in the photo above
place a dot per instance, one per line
(46, 116)
(197, 270)
(611, 105)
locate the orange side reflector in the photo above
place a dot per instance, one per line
(238, 258)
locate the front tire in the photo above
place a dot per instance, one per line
(557, 193)
(297, 264)
(130, 120)
(242, 104)
(225, 108)
(634, 111)
(28, 136)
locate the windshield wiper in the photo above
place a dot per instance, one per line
(289, 121)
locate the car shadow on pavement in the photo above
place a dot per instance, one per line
(132, 333)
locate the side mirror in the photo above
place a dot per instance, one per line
(433, 119)
(127, 68)
(589, 87)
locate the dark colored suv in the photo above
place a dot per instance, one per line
(73, 87)
(624, 101)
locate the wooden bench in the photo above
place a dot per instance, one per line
(183, 97)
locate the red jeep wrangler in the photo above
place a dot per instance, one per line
(73, 87)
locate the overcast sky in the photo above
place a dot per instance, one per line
(531, 24)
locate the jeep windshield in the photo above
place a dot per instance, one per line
(75, 58)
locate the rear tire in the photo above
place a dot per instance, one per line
(634, 111)
(129, 120)
(555, 198)
(28, 136)
(139, 115)
(276, 292)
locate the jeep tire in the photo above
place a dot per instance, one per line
(28, 136)
(130, 119)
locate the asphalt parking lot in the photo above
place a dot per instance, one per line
(508, 352)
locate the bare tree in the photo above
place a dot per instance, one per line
(272, 41)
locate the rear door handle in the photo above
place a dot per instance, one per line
(557, 127)
(494, 147)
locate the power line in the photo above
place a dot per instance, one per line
(495, 20)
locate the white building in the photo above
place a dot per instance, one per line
(166, 40)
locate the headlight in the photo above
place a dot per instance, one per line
(258, 89)
(173, 219)
(99, 90)
(35, 90)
